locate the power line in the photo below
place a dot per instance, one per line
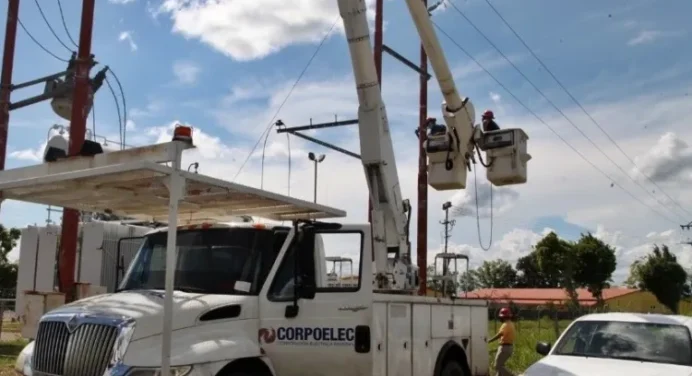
(559, 110)
(478, 216)
(271, 122)
(122, 96)
(50, 27)
(580, 105)
(64, 24)
(547, 125)
(117, 107)
(38, 43)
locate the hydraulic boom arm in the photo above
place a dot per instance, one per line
(450, 152)
(390, 214)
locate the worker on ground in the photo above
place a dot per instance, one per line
(506, 337)
(488, 120)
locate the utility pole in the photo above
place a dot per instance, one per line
(448, 225)
(422, 225)
(687, 227)
(316, 159)
(6, 78)
(70, 217)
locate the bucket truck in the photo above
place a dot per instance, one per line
(206, 298)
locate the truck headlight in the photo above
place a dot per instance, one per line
(23, 363)
(175, 371)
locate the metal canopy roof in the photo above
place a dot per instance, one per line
(138, 189)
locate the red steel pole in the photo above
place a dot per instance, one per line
(422, 238)
(70, 217)
(6, 78)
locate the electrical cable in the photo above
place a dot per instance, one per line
(582, 107)
(557, 108)
(64, 25)
(38, 43)
(478, 216)
(50, 27)
(271, 122)
(93, 118)
(117, 107)
(548, 126)
(122, 95)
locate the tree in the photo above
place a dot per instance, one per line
(660, 273)
(530, 274)
(495, 274)
(467, 281)
(8, 270)
(557, 261)
(595, 265)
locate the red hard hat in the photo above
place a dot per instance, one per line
(505, 312)
(488, 114)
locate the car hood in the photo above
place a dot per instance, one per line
(146, 308)
(557, 365)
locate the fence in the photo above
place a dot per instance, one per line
(10, 328)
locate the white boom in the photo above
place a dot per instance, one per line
(389, 210)
(449, 153)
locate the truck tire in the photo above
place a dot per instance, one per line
(452, 368)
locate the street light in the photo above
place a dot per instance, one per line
(316, 159)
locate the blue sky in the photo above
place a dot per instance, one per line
(225, 69)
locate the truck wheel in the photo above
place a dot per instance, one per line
(452, 368)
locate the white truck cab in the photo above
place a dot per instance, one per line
(239, 311)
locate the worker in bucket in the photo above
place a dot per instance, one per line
(433, 129)
(488, 121)
(506, 337)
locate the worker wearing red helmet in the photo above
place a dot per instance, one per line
(506, 337)
(488, 121)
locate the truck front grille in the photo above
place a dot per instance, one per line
(84, 352)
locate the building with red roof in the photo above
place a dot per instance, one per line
(615, 299)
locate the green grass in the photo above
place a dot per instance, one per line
(529, 332)
(8, 354)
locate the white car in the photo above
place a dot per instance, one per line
(619, 344)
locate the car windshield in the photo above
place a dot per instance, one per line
(210, 261)
(640, 341)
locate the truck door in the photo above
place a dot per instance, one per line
(324, 329)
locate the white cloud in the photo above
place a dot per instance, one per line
(32, 155)
(483, 199)
(153, 107)
(649, 36)
(670, 159)
(126, 36)
(252, 30)
(122, 2)
(186, 72)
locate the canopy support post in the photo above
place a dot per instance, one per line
(176, 190)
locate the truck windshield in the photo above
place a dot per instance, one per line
(210, 261)
(638, 341)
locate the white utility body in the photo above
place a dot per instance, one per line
(252, 299)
